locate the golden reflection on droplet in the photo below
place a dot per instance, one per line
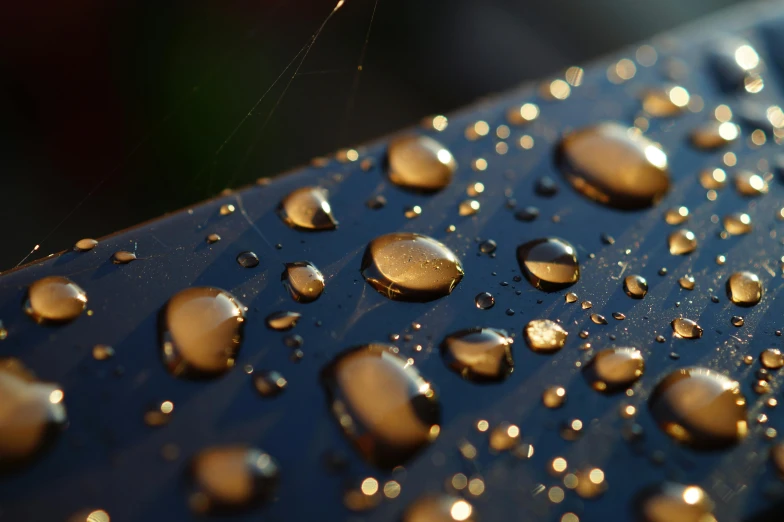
(713, 178)
(477, 130)
(621, 71)
(437, 122)
(479, 164)
(526, 142)
(55, 299)
(419, 163)
(714, 134)
(574, 76)
(482, 425)
(555, 90)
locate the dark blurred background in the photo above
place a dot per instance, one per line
(111, 112)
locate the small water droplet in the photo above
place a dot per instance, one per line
(671, 502)
(55, 299)
(772, 359)
(101, 352)
(504, 436)
(412, 212)
(735, 62)
(700, 408)
(738, 223)
(618, 316)
(590, 483)
(479, 354)
(598, 319)
(303, 280)
(527, 214)
(159, 415)
(439, 508)
(468, 207)
(682, 242)
(484, 300)
(686, 328)
(676, 216)
(748, 183)
(607, 239)
(635, 286)
(232, 478)
(686, 282)
(201, 331)
(737, 320)
(410, 267)
(546, 186)
(586, 305)
(376, 202)
(614, 369)
(248, 259)
(269, 383)
(744, 288)
(282, 321)
(549, 264)
(614, 165)
(665, 102)
(714, 135)
(420, 163)
(545, 336)
(487, 246)
(123, 257)
(571, 297)
(713, 179)
(382, 404)
(213, 238)
(554, 397)
(226, 209)
(84, 245)
(307, 208)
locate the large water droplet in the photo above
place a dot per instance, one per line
(671, 502)
(411, 267)
(700, 408)
(479, 354)
(307, 208)
(549, 264)
(772, 359)
(744, 288)
(545, 336)
(682, 242)
(232, 478)
(55, 299)
(439, 508)
(201, 331)
(748, 183)
(686, 328)
(303, 280)
(84, 245)
(614, 165)
(614, 369)
(282, 321)
(30, 414)
(635, 286)
(420, 163)
(382, 404)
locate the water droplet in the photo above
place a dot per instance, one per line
(487, 246)
(248, 259)
(269, 383)
(571, 297)
(201, 331)
(713, 179)
(772, 359)
(635, 286)
(420, 163)
(686, 282)
(554, 397)
(748, 183)
(676, 215)
(439, 508)
(160, 414)
(232, 478)
(213, 238)
(468, 207)
(55, 299)
(614, 369)
(282, 321)
(671, 502)
(607, 239)
(737, 320)
(411, 267)
(123, 257)
(84, 245)
(682, 242)
(527, 214)
(545, 336)
(586, 305)
(686, 328)
(613, 165)
(738, 223)
(523, 114)
(700, 408)
(598, 319)
(382, 404)
(546, 186)
(714, 134)
(504, 436)
(303, 280)
(307, 208)
(376, 202)
(226, 209)
(590, 483)
(484, 300)
(412, 212)
(549, 264)
(665, 102)
(91, 515)
(744, 288)
(618, 316)
(479, 354)
(735, 62)
(101, 352)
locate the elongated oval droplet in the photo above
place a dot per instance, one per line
(439, 508)
(201, 331)
(614, 369)
(85, 245)
(411, 267)
(303, 280)
(248, 259)
(549, 264)
(545, 336)
(479, 354)
(737, 223)
(123, 257)
(635, 286)
(676, 215)
(614, 165)
(682, 242)
(672, 502)
(307, 208)
(750, 184)
(700, 408)
(686, 328)
(744, 288)
(382, 404)
(232, 478)
(714, 135)
(420, 163)
(31, 413)
(55, 299)
(665, 102)
(282, 321)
